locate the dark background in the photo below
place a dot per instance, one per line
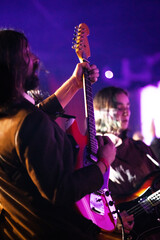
(124, 37)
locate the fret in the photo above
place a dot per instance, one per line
(93, 146)
(154, 199)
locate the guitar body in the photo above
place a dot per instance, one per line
(144, 204)
(147, 183)
(108, 220)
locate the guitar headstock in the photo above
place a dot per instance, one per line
(80, 43)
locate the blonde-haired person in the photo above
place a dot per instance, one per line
(133, 162)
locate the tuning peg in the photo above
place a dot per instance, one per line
(73, 39)
(74, 45)
(75, 33)
(76, 29)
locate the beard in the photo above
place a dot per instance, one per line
(32, 80)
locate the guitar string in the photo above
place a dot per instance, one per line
(138, 209)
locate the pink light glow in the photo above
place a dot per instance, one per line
(150, 111)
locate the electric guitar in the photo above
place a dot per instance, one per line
(97, 206)
(144, 205)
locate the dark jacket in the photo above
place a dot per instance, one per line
(130, 175)
(130, 168)
(38, 183)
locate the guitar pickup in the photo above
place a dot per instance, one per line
(96, 203)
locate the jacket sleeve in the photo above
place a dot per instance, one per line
(46, 152)
(148, 151)
(155, 146)
(51, 106)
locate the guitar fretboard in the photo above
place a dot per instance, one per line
(145, 205)
(90, 117)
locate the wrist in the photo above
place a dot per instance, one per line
(102, 167)
(103, 160)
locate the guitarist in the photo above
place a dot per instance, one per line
(132, 164)
(38, 183)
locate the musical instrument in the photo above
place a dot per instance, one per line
(143, 204)
(97, 206)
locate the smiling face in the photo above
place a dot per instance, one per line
(123, 110)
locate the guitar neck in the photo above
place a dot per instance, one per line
(154, 198)
(144, 203)
(89, 112)
(82, 49)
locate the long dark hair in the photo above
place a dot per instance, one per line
(13, 68)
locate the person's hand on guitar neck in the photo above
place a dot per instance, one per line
(93, 73)
(75, 82)
(128, 222)
(106, 153)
